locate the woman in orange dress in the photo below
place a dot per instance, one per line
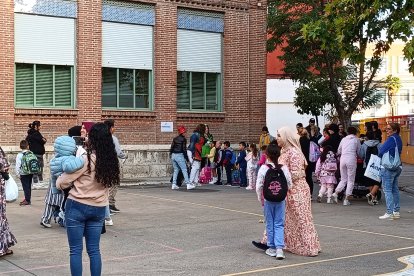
(301, 237)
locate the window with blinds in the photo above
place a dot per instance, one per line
(198, 91)
(49, 86)
(126, 88)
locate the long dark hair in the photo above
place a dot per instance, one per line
(254, 149)
(325, 152)
(273, 153)
(107, 165)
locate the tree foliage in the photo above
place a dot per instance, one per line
(325, 49)
(392, 85)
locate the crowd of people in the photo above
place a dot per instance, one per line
(85, 174)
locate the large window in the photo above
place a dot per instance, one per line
(43, 85)
(198, 91)
(126, 88)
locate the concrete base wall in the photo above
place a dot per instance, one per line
(145, 164)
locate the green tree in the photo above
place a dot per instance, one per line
(317, 38)
(392, 85)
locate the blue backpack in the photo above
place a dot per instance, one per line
(233, 158)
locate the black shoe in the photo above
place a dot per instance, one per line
(235, 185)
(218, 183)
(260, 245)
(114, 209)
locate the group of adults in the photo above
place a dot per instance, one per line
(352, 149)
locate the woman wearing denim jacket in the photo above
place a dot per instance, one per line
(88, 198)
(390, 177)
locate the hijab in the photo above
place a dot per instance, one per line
(289, 139)
(88, 125)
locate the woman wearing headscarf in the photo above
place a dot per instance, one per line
(334, 138)
(301, 237)
(37, 146)
(7, 239)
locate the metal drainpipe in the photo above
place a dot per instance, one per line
(248, 66)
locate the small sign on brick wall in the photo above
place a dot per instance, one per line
(167, 127)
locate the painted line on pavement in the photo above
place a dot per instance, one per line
(409, 261)
(259, 215)
(317, 262)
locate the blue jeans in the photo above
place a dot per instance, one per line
(179, 163)
(274, 213)
(84, 221)
(243, 176)
(390, 188)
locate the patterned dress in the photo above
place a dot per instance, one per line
(301, 237)
(7, 239)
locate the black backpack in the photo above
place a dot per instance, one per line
(275, 185)
(370, 150)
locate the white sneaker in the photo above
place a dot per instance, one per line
(346, 202)
(387, 216)
(190, 186)
(279, 254)
(335, 198)
(329, 200)
(175, 187)
(109, 222)
(396, 215)
(271, 252)
(249, 188)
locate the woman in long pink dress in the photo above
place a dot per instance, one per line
(301, 237)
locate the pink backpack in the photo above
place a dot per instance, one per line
(330, 163)
(205, 175)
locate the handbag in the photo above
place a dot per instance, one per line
(373, 169)
(390, 162)
(12, 191)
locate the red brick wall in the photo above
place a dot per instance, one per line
(244, 77)
(6, 71)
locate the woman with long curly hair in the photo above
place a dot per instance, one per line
(88, 197)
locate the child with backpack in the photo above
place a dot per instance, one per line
(325, 172)
(273, 183)
(26, 165)
(241, 164)
(252, 159)
(369, 147)
(228, 161)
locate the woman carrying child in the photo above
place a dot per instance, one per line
(274, 212)
(252, 159)
(325, 172)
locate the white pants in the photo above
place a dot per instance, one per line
(195, 171)
(348, 170)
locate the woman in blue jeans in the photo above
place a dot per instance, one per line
(390, 177)
(179, 158)
(88, 198)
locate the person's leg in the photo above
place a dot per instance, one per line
(75, 227)
(41, 163)
(181, 163)
(321, 193)
(193, 172)
(93, 229)
(344, 177)
(330, 188)
(279, 224)
(351, 166)
(243, 178)
(395, 191)
(387, 182)
(176, 168)
(218, 175)
(269, 210)
(249, 173)
(112, 193)
(228, 174)
(309, 180)
(26, 185)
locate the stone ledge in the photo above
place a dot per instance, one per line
(46, 112)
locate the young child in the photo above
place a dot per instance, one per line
(241, 164)
(252, 159)
(274, 212)
(25, 177)
(218, 160)
(325, 171)
(263, 156)
(211, 157)
(228, 154)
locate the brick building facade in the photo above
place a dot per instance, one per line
(239, 88)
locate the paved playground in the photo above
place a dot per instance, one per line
(208, 231)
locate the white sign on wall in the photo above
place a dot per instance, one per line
(167, 127)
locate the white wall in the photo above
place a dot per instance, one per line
(280, 110)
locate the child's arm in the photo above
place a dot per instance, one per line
(249, 156)
(318, 168)
(71, 164)
(241, 157)
(259, 182)
(65, 180)
(288, 176)
(18, 164)
(262, 160)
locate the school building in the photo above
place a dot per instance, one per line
(150, 65)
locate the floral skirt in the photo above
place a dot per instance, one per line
(7, 239)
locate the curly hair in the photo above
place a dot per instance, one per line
(107, 165)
